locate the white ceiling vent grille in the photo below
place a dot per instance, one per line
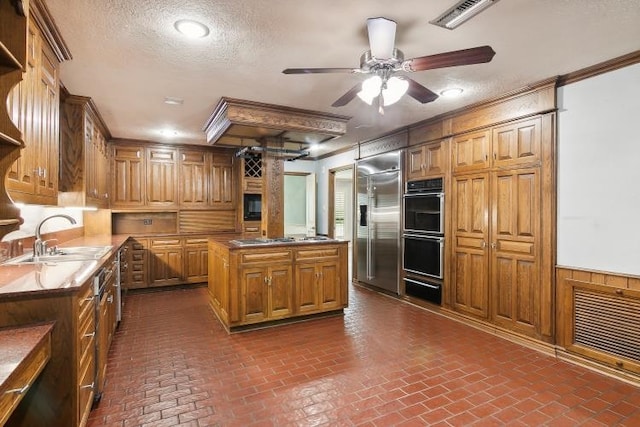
(461, 12)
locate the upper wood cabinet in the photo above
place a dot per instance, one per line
(84, 155)
(511, 145)
(34, 108)
(206, 179)
(162, 177)
(128, 176)
(427, 160)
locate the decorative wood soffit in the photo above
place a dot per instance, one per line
(236, 122)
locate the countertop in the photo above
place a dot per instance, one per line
(16, 344)
(28, 280)
(229, 242)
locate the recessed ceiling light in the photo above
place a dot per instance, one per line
(169, 133)
(452, 92)
(173, 101)
(191, 29)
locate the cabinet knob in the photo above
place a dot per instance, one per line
(619, 292)
(20, 390)
(494, 245)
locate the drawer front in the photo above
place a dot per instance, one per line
(137, 246)
(155, 243)
(17, 386)
(85, 391)
(196, 241)
(317, 253)
(265, 257)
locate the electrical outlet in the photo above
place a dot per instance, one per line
(147, 221)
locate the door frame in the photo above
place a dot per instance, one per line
(331, 196)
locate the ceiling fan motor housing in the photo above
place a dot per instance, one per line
(369, 63)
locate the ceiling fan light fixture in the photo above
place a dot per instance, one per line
(382, 37)
(191, 29)
(396, 87)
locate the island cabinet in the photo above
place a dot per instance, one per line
(249, 286)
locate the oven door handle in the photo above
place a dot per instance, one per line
(422, 194)
(421, 237)
(427, 285)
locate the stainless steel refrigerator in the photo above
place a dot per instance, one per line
(379, 193)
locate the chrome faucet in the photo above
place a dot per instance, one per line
(39, 245)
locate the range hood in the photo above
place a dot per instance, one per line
(241, 123)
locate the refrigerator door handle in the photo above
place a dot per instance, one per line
(370, 247)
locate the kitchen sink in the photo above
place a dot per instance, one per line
(73, 253)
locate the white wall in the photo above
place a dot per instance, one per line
(599, 172)
(33, 214)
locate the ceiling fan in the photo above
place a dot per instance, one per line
(383, 60)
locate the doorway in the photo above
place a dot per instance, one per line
(341, 210)
(299, 204)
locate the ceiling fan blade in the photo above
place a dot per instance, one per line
(382, 37)
(347, 97)
(319, 70)
(474, 55)
(419, 92)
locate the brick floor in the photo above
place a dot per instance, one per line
(385, 363)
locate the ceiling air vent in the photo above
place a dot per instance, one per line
(461, 12)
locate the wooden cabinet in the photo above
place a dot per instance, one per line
(162, 177)
(262, 284)
(84, 157)
(165, 261)
(194, 182)
(34, 107)
(206, 179)
(196, 259)
(512, 145)
(137, 264)
(221, 194)
(319, 284)
(427, 160)
(266, 285)
(470, 290)
(128, 176)
(497, 199)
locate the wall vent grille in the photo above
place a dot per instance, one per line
(608, 323)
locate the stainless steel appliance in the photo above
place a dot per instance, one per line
(379, 190)
(424, 207)
(121, 270)
(423, 239)
(423, 255)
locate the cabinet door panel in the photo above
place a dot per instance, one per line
(221, 186)
(128, 177)
(307, 288)
(515, 265)
(330, 286)
(193, 178)
(161, 184)
(415, 162)
(280, 289)
(254, 298)
(471, 151)
(517, 143)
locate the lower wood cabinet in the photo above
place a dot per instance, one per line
(196, 259)
(165, 261)
(63, 394)
(276, 282)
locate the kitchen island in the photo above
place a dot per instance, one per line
(262, 282)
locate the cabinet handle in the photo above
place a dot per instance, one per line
(91, 335)
(494, 245)
(20, 390)
(138, 153)
(619, 292)
(89, 299)
(44, 173)
(495, 156)
(110, 299)
(89, 386)
(483, 244)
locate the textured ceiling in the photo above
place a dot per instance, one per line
(128, 57)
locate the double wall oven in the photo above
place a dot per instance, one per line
(423, 239)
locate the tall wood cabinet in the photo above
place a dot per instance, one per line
(34, 108)
(497, 197)
(84, 155)
(128, 173)
(162, 177)
(427, 160)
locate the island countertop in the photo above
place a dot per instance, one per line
(239, 241)
(27, 280)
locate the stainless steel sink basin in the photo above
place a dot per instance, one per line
(74, 253)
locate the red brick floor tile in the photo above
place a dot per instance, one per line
(384, 363)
